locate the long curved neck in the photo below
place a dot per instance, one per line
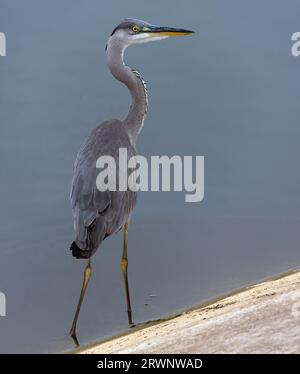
(138, 110)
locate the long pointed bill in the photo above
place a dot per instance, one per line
(168, 31)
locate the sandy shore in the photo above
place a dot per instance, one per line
(264, 318)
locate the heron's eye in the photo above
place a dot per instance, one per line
(135, 29)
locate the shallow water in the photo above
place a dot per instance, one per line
(230, 93)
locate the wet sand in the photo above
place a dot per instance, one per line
(264, 318)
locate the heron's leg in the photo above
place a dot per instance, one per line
(87, 277)
(125, 274)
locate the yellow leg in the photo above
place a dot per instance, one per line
(87, 277)
(125, 274)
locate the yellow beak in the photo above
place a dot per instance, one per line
(168, 31)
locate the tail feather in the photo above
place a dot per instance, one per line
(78, 252)
(84, 253)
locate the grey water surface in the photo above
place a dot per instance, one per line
(229, 93)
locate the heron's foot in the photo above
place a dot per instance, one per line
(74, 336)
(130, 322)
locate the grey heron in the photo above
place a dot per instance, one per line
(99, 214)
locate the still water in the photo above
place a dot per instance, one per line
(229, 93)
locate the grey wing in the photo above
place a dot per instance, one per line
(97, 214)
(87, 203)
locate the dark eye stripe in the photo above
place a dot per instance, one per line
(125, 26)
(114, 30)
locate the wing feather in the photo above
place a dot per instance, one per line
(107, 211)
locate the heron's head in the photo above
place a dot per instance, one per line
(133, 31)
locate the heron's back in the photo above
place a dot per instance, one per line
(98, 214)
